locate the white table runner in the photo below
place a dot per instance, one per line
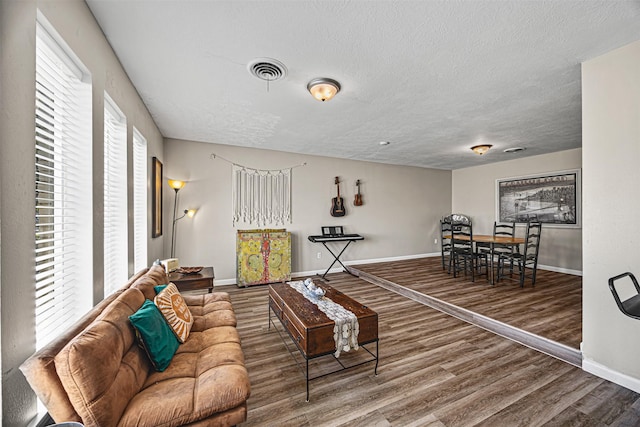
(346, 329)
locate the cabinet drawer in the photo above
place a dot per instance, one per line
(298, 335)
(277, 310)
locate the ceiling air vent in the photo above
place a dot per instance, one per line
(514, 150)
(267, 69)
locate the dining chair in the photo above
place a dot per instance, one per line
(445, 242)
(464, 256)
(504, 229)
(528, 259)
(447, 229)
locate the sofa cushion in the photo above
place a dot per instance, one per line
(175, 311)
(154, 334)
(40, 368)
(97, 374)
(210, 310)
(206, 376)
(103, 368)
(154, 277)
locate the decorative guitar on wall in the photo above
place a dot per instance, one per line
(337, 204)
(358, 199)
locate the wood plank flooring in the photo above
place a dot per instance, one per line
(551, 309)
(435, 370)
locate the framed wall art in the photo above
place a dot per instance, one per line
(551, 198)
(156, 198)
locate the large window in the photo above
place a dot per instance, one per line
(140, 209)
(115, 197)
(63, 192)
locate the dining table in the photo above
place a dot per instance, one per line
(491, 240)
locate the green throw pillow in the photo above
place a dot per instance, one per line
(155, 335)
(159, 288)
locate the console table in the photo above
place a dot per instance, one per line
(340, 238)
(191, 282)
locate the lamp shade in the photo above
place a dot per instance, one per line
(176, 184)
(323, 89)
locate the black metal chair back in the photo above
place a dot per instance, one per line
(631, 305)
(445, 242)
(531, 250)
(462, 251)
(504, 229)
(528, 259)
(507, 229)
(532, 243)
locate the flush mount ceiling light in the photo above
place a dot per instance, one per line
(323, 89)
(481, 149)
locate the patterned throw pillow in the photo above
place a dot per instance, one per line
(175, 310)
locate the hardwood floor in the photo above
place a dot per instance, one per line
(434, 370)
(551, 309)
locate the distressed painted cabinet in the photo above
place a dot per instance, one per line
(263, 256)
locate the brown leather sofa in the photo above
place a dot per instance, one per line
(97, 374)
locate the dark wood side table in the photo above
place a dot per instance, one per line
(192, 282)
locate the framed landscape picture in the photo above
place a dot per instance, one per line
(551, 198)
(156, 198)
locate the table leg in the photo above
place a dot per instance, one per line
(375, 370)
(492, 253)
(307, 378)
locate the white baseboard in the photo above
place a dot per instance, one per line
(609, 374)
(225, 282)
(233, 281)
(560, 270)
(390, 259)
(362, 261)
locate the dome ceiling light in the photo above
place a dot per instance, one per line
(481, 149)
(323, 89)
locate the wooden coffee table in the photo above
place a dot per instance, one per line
(312, 331)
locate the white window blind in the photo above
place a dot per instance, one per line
(115, 197)
(140, 211)
(63, 237)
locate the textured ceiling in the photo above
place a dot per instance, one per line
(431, 77)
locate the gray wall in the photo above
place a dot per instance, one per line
(75, 23)
(474, 193)
(399, 217)
(611, 159)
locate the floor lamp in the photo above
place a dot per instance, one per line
(176, 185)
